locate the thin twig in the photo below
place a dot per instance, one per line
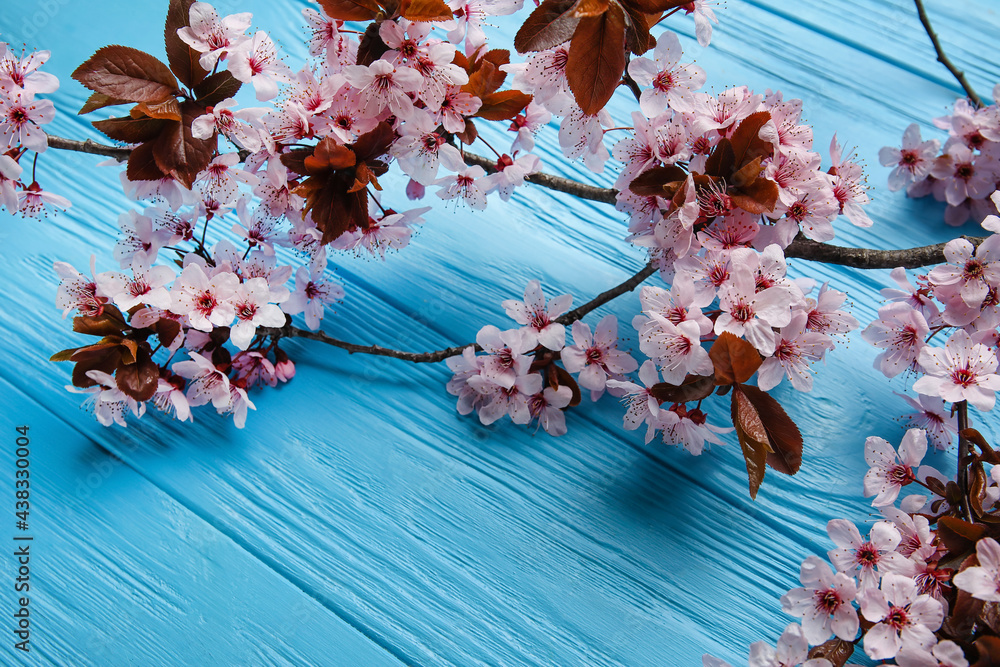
(567, 185)
(289, 331)
(943, 59)
(89, 146)
(964, 451)
(867, 258)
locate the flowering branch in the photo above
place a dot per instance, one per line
(943, 58)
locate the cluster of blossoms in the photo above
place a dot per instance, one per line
(921, 587)
(960, 297)
(963, 173)
(22, 115)
(518, 376)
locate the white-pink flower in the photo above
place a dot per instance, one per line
(256, 62)
(505, 356)
(254, 304)
(597, 357)
(983, 581)
(963, 370)
(538, 319)
(823, 602)
(901, 617)
(207, 382)
(913, 162)
(889, 472)
(750, 314)
(676, 348)
(312, 292)
(546, 406)
(643, 408)
(211, 37)
(670, 83)
(899, 331)
(870, 558)
(382, 86)
(792, 651)
(206, 301)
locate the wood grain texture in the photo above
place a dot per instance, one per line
(406, 532)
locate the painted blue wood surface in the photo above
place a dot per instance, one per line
(358, 520)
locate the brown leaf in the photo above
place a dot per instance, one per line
(563, 378)
(549, 25)
(139, 379)
(131, 130)
(108, 323)
(184, 61)
(64, 355)
(837, 651)
(977, 488)
(426, 10)
(694, 388)
(658, 182)
(597, 59)
(142, 164)
(758, 198)
(216, 88)
(485, 78)
(469, 134)
(99, 101)
(103, 356)
(753, 439)
(129, 74)
(503, 105)
(959, 536)
(989, 652)
(350, 10)
(180, 154)
(585, 8)
(374, 144)
(735, 359)
(371, 46)
(783, 437)
(746, 143)
(328, 155)
(637, 37)
(166, 330)
(747, 174)
(722, 160)
(167, 110)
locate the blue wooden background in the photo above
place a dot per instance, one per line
(359, 520)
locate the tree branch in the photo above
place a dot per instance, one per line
(569, 186)
(89, 146)
(288, 331)
(943, 59)
(867, 258)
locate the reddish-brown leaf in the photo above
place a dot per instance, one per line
(783, 437)
(65, 355)
(166, 330)
(585, 8)
(129, 74)
(549, 25)
(753, 438)
(371, 47)
(374, 144)
(169, 109)
(837, 651)
(735, 359)
(759, 197)
(99, 101)
(350, 10)
(959, 536)
(142, 164)
(485, 79)
(747, 174)
(217, 87)
(503, 105)
(131, 130)
(658, 182)
(139, 379)
(425, 10)
(328, 155)
(722, 160)
(747, 145)
(102, 325)
(182, 58)
(103, 356)
(694, 388)
(597, 59)
(180, 154)
(564, 379)
(989, 652)
(637, 37)
(469, 134)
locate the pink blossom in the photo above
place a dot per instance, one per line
(913, 162)
(420, 149)
(823, 602)
(254, 303)
(899, 331)
(146, 286)
(325, 32)
(505, 358)
(643, 408)
(671, 84)
(795, 349)
(206, 301)
(943, 654)
(848, 186)
(688, 428)
(539, 319)
(21, 118)
(901, 617)
(170, 399)
(78, 292)
(207, 382)
(750, 314)
(547, 407)
(211, 37)
(871, 558)
(382, 86)
(963, 370)
(676, 348)
(312, 292)
(824, 314)
(970, 271)
(513, 400)
(467, 184)
(238, 405)
(256, 62)
(465, 367)
(596, 358)
(933, 416)
(243, 127)
(32, 201)
(888, 472)
(983, 581)
(10, 172)
(792, 651)
(703, 17)
(22, 73)
(108, 401)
